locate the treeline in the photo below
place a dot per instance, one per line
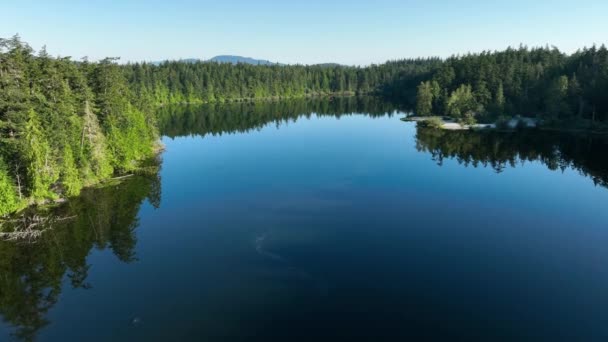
(67, 124)
(64, 125)
(204, 82)
(541, 82)
(538, 82)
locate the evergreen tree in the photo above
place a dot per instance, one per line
(42, 172)
(424, 99)
(556, 98)
(499, 100)
(56, 120)
(9, 201)
(66, 124)
(69, 173)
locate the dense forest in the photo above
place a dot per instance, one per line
(542, 82)
(67, 124)
(200, 82)
(64, 125)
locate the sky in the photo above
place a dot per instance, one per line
(314, 31)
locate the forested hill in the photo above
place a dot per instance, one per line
(64, 125)
(239, 59)
(223, 59)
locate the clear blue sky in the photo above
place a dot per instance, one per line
(313, 31)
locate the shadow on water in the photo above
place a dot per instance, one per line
(32, 273)
(499, 150)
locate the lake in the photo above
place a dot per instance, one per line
(310, 219)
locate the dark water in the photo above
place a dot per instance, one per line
(268, 222)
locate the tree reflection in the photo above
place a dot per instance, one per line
(584, 153)
(217, 119)
(32, 274)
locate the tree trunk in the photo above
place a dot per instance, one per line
(18, 182)
(84, 124)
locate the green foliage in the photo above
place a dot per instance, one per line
(93, 148)
(65, 125)
(9, 201)
(481, 93)
(518, 81)
(69, 173)
(499, 100)
(203, 82)
(36, 151)
(129, 139)
(424, 99)
(434, 122)
(468, 119)
(540, 82)
(556, 98)
(462, 104)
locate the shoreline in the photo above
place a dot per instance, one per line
(157, 150)
(449, 124)
(267, 99)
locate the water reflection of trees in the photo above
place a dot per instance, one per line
(500, 150)
(216, 119)
(32, 274)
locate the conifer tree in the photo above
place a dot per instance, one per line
(9, 201)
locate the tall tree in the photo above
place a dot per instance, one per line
(9, 201)
(424, 99)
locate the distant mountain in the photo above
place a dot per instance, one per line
(239, 59)
(328, 65)
(190, 60)
(185, 60)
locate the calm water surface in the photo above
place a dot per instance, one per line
(310, 219)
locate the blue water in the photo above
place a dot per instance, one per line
(340, 228)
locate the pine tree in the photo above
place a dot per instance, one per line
(93, 148)
(69, 173)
